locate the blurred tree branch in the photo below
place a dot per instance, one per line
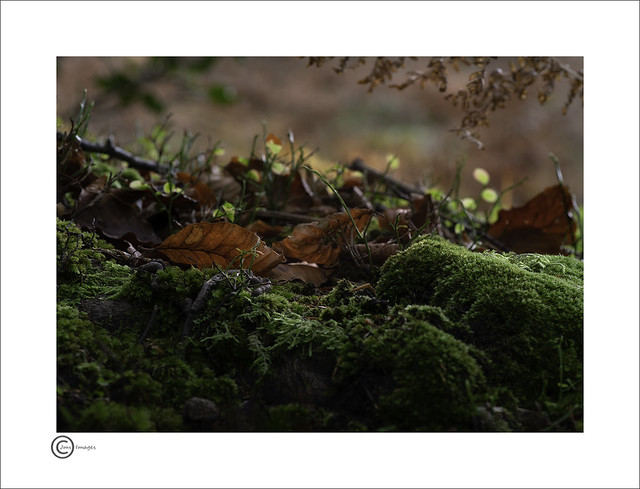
(486, 90)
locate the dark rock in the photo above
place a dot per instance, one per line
(111, 315)
(200, 413)
(533, 420)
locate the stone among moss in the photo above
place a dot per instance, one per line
(527, 318)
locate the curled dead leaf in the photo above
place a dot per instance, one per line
(98, 207)
(305, 272)
(542, 225)
(263, 229)
(379, 251)
(224, 244)
(320, 242)
(196, 189)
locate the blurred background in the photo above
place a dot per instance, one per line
(227, 100)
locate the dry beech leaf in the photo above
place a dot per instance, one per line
(300, 194)
(379, 251)
(205, 245)
(320, 242)
(263, 229)
(422, 214)
(306, 272)
(388, 219)
(114, 215)
(542, 225)
(196, 189)
(271, 138)
(425, 212)
(237, 169)
(224, 188)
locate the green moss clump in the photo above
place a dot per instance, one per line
(108, 381)
(564, 267)
(75, 250)
(525, 313)
(94, 366)
(296, 417)
(417, 377)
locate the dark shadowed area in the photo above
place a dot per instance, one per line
(228, 99)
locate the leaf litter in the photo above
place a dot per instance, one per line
(172, 216)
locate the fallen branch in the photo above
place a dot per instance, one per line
(400, 189)
(116, 152)
(285, 216)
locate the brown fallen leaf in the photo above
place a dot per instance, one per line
(114, 214)
(196, 189)
(379, 251)
(320, 242)
(300, 197)
(421, 216)
(398, 218)
(205, 245)
(306, 272)
(425, 212)
(542, 225)
(263, 229)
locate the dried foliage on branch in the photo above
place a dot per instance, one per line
(488, 88)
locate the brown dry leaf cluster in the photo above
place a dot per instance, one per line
(172, 217)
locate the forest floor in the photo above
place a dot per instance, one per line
(263, 295)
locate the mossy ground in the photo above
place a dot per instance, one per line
(524, 312)
(298, 359)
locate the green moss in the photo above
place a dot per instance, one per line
(564, 267)
(112, 381)
(250, 331)
(104, 280)
(75, 249)
(111, 416)
(294, 359)
(296, 417)
(416, 376)
(291, 326)
(527, 321)
(340, 294)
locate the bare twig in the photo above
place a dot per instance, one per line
(285, 216)
(400, 189)
(116, 152)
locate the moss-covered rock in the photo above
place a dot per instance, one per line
(416, 376)
(524, 312)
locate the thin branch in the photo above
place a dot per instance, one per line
(400, 189)
(285, 216)
(116, 152)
